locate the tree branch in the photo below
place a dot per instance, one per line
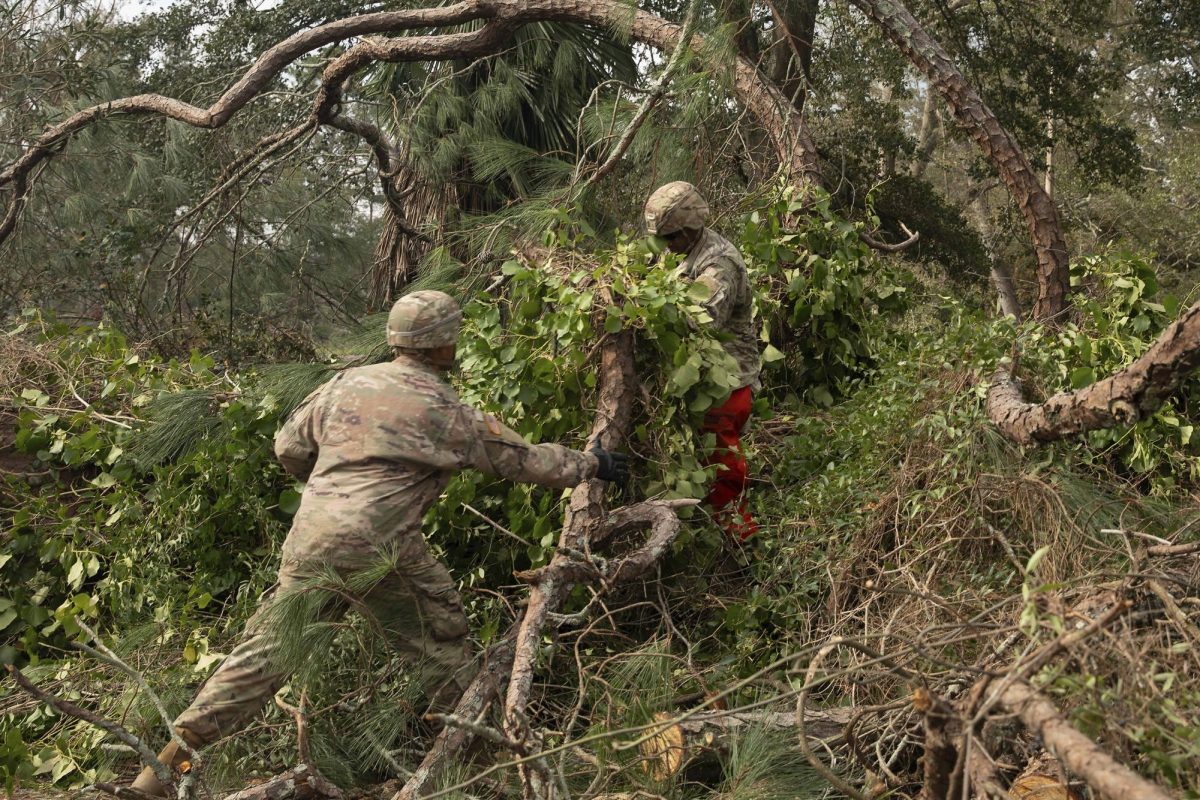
(1120, 399)
(772, 110)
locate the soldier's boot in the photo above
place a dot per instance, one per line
(171, 755)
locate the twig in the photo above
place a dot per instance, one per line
(824, 771)
(103, 653)
(161, 771)
(656, 94)
(300, 715)
(485, 732)
(1174, 549)
(496, 525)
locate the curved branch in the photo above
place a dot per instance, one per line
(884, 247)
(1040, 212)
(388, 160)
(262, 72)
(1120, 399)
(765, 102)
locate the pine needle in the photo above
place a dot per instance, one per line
(178, 421)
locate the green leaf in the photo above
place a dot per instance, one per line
(1036, 559)
(1082, 376)
(685, 377)
(75, 574)
(103, 481)
(771, 353)
(289, 501)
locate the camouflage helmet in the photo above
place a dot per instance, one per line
(674, 207)
(424, 320)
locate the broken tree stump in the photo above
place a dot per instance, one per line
(697, 747)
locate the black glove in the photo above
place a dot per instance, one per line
(613, 467)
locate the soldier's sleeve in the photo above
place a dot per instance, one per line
(296, 444)
(496, 449)
(720, 277)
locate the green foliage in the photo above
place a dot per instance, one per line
(826, 297)
(105, 535)
(530, 357)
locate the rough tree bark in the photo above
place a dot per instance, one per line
(764, 101)
(614, 416)
(1040, 213)
(1120, 399)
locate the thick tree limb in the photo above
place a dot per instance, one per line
(1120, 399)
(614, 412)
(1041, 214)
(1080, 754)
(301, 783)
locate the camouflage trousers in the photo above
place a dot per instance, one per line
(413, 602)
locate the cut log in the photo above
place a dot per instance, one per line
(695, 749)
(1042, 780)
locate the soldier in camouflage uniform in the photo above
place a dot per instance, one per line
(678, 214)
(377, 446)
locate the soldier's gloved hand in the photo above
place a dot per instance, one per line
(613, 467)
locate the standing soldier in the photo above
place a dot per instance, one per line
(377, 446)
(677, 213)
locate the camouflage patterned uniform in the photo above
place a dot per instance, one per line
(714, 261)
(717, 264)
(378, 445)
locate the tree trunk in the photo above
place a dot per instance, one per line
(403, 246)
(745, 34)
(1006, 290)
(1041, 215)
(1120, 399)
(795, 32)
(929, 134)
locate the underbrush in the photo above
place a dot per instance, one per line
(904, 543)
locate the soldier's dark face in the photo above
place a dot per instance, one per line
(682, 241)
(444, 357)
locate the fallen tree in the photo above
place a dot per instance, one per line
(1123, 398)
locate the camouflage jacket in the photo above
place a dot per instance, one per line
(716, 263)
(378, 444)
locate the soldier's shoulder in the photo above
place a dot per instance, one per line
(396, 379)
(716, 249)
